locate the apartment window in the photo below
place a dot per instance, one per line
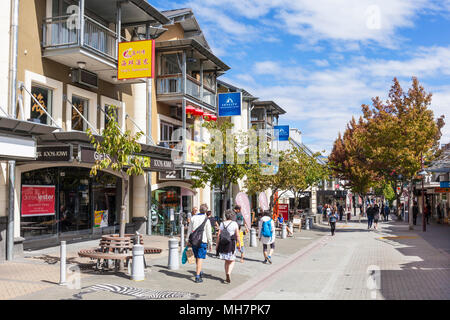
(44, 96)
(170, 64)
(82, 105)
(166, 130)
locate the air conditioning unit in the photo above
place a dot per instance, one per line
(175, 112)
(85, 77)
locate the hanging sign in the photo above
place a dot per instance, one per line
(54, 153)
(262, 200)
(444, 184)
(38, 201)
(229, 104)
(281, 133)
(136, 59)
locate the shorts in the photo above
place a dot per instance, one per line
(272, 246)
(200, 252)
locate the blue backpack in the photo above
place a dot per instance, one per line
(267, 228)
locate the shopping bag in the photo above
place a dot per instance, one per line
(190, 255)
(184, 256)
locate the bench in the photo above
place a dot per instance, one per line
(297, 223)
(114, 249)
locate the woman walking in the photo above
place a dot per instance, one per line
(227, 236)
(376, 216)
(332, 218)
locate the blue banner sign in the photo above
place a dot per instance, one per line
(445, 184)
(230, 104)
(281, 133)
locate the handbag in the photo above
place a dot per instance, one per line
(190, 255)
(184, 256)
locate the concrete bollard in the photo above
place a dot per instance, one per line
(283, 231)
(291, 226)
(308, 223)
(63, 270)
(137, 265)
(173, 254)
(253, 241)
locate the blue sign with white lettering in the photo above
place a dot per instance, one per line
(230, 104)
(445, 184)
(281, 133)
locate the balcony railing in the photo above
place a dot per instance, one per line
(172, 84)
(62, 32)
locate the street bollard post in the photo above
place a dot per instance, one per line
(181, 233)
(253, 242)
(173, 263)
(307, 223)
(137, 264)
(291, 226)
(283, 231)
(63, 271)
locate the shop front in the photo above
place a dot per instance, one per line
(67, 203)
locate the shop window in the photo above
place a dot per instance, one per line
(44, 96)
(77, 121)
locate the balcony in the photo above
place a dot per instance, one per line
(172, 85)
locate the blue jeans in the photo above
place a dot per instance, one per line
(369, 221)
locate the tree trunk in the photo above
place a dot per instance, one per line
(123, 208)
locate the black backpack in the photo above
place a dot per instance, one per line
(196, 237)
(225, 237)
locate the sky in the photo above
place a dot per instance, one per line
(321, 59)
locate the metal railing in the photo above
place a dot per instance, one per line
(173, 84)
(60, 32)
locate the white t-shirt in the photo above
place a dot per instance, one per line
(231, 226)
(266, 240)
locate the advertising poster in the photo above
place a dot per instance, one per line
(100, 218)
(38, 201)
(262, 200)
(229, 104)
(242, 200)
(281, 133)
(283, 210)
(136, 59)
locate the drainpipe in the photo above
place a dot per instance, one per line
(12, 108)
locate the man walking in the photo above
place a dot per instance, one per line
(341, 211)
(266, 234)
(386, 212)
(370, 216)
(199, 237)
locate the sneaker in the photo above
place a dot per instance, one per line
(265, 261)
(269, 258)
(198, 279)
(201, 274)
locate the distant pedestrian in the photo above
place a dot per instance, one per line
(439, 212)
(332, 218)
(376, 216)
(370, 216)
(199, 237)
(237, 215)
(386, 212)
(191, 214)
(428, 212)
(227, 237)
(266, 234)
(415, 213)
(341, 212)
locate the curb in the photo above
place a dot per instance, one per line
(258, 283)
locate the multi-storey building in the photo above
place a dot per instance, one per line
(67, 79)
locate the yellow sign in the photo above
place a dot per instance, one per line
(136, 59)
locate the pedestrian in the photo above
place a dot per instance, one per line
(200, 237)
(341, 212)
(415, 213)
(332, 218)
(370, 214)
(428, 212)
(227, 237)
(191, 214)
(327, 211)
(386, 212)
(237, 214)
(212, 221)
(324, 212)
(439, 212)
(266, 234)
(376, 216)
(280, 224)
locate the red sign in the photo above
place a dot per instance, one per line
(283, 210)
(38, 201)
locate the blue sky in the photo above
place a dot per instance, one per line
(321, 59)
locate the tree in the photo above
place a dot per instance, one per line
(400, 132)
(219, 173)
(305, 171)
(120, 151)
(349, 161)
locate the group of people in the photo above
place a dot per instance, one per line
(374, 212)
(230, 237)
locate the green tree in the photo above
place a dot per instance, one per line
(120, 151)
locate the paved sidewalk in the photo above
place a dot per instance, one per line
(158, 278)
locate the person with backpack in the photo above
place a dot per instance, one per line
(227, 237)
(199, 237)
(266, 235)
